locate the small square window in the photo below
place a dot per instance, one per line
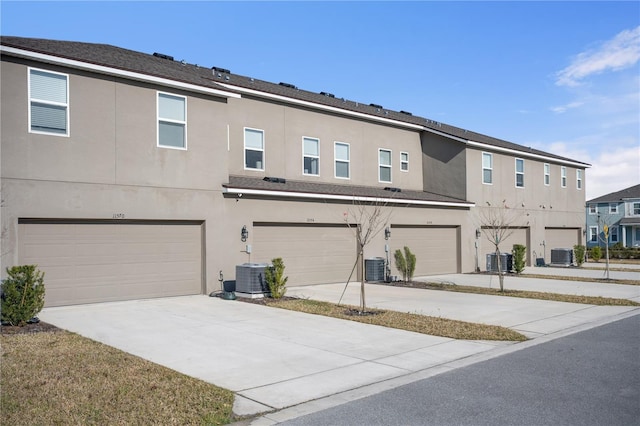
(613, 208)
(593, 209)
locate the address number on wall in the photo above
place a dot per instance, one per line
(118, 215)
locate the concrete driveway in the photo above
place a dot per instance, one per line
(273, 359)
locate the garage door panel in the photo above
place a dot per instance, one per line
(311, 254)
(436, 248)
(85, 263)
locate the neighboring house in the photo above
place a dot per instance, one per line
(129, 175)
(620, 211)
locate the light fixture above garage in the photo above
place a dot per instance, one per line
(244, 234)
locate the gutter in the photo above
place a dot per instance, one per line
(308, 195)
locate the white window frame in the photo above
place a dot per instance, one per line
(305, 155)
(404, 161)
(635, 211)
(490, 168)
(613, 232)
(563, 176)
(336, 160)
(593, 232)
(593, 209)
(547, 174)
(31, 100)
(385, 166)
(519, 173)
(170, 120)
(262, 150)
(613, 208)
(579, 180)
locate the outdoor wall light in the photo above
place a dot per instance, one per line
(478, 233)
(387, 233)
(244, 234)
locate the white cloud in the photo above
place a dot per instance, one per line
(623, 51)
(563, 108)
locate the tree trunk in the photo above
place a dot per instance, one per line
(500, 276)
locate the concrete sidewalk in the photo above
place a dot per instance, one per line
(296, 363)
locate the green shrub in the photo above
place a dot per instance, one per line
(22, 294)
(275, 278)
(596, 253)
(519, 252)
(405, 263)
(579, 252)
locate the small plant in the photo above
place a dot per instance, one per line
(405, 263)
(518, 257)
(22, 294)
(596, 253)
(579, 252)
(275, 278)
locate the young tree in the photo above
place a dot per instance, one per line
(366, 220)
(497, 225)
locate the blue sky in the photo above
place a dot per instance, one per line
(563, 77)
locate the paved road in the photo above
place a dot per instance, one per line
(587, 378)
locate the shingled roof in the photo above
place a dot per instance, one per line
(222, 79)
(631, 192)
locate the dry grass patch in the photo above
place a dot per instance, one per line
(404, 321)
(583, 279)
(63, 378)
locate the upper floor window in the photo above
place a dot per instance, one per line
(547, 174)
(593, 234)
(404, 161)
(311, 156)
(613, 208)
(579, 179)
(48, 102)
(593, 209)
(384, 165)
(253, 149)
(341, 155)
(519, 173)
(172, 121)
(636, 209)
(487, 167)
(563, 176)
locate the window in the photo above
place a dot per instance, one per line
(636, 209)
(48, 102)
(172, 121)
(253, 149)
(593, 209)
(593, 234)
(563, 176)
(311, 156)
(487, 168)
(547, 174)
(613, 234)
(384, 165)
(579, 179)
(341, 153)
(613, 208)
(404, 161)
(519, 173)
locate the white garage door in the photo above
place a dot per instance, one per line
(437, 249)
(555, 238)
(99, 262)
(312, 254)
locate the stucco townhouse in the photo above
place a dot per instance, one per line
(132, 175)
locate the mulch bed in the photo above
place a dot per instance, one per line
(38, 327)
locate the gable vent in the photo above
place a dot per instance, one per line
(163, 56)
(291, 86)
